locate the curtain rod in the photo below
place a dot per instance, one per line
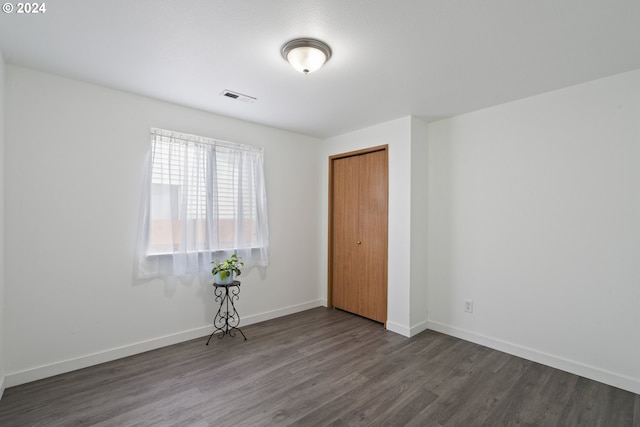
(203, 139)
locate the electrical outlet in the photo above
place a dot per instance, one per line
(468, 306)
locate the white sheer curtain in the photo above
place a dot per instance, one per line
(203, 200)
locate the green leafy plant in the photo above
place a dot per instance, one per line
(228, 266)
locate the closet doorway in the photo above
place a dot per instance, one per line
(358, 224)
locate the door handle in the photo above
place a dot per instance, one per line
(359, 242)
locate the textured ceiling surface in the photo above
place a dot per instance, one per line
(427, 58)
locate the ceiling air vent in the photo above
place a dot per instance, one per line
(238, 96)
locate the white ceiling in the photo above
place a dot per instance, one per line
(427, 58)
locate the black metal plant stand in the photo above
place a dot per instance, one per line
(227, 318)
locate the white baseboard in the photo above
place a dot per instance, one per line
(1, 386)
(597, 374)
(406, 330)
(420, 327)
(398, 328)
(268, 315)
(45, 371)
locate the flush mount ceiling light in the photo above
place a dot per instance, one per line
(306, 55)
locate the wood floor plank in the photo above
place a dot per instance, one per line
(591, 405)
(320, 367)
(537, 399)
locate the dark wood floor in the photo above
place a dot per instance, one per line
(320, 367)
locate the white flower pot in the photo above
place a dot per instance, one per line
(226, 281)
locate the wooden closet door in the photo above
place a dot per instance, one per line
(359, 234)
(372, 236)
(345, 222)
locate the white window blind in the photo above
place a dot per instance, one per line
(205, 199)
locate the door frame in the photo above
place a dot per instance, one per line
(330, 215)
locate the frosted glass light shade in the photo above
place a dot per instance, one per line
(306, 55)
(306, 59)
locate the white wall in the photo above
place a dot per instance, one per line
(398, 135)
(2, 66)
(534, 213)
(531, 212)
(74, 155)
(419, 230)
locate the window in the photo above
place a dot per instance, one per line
(204, 199)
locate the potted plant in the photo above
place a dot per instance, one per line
(223, 272)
